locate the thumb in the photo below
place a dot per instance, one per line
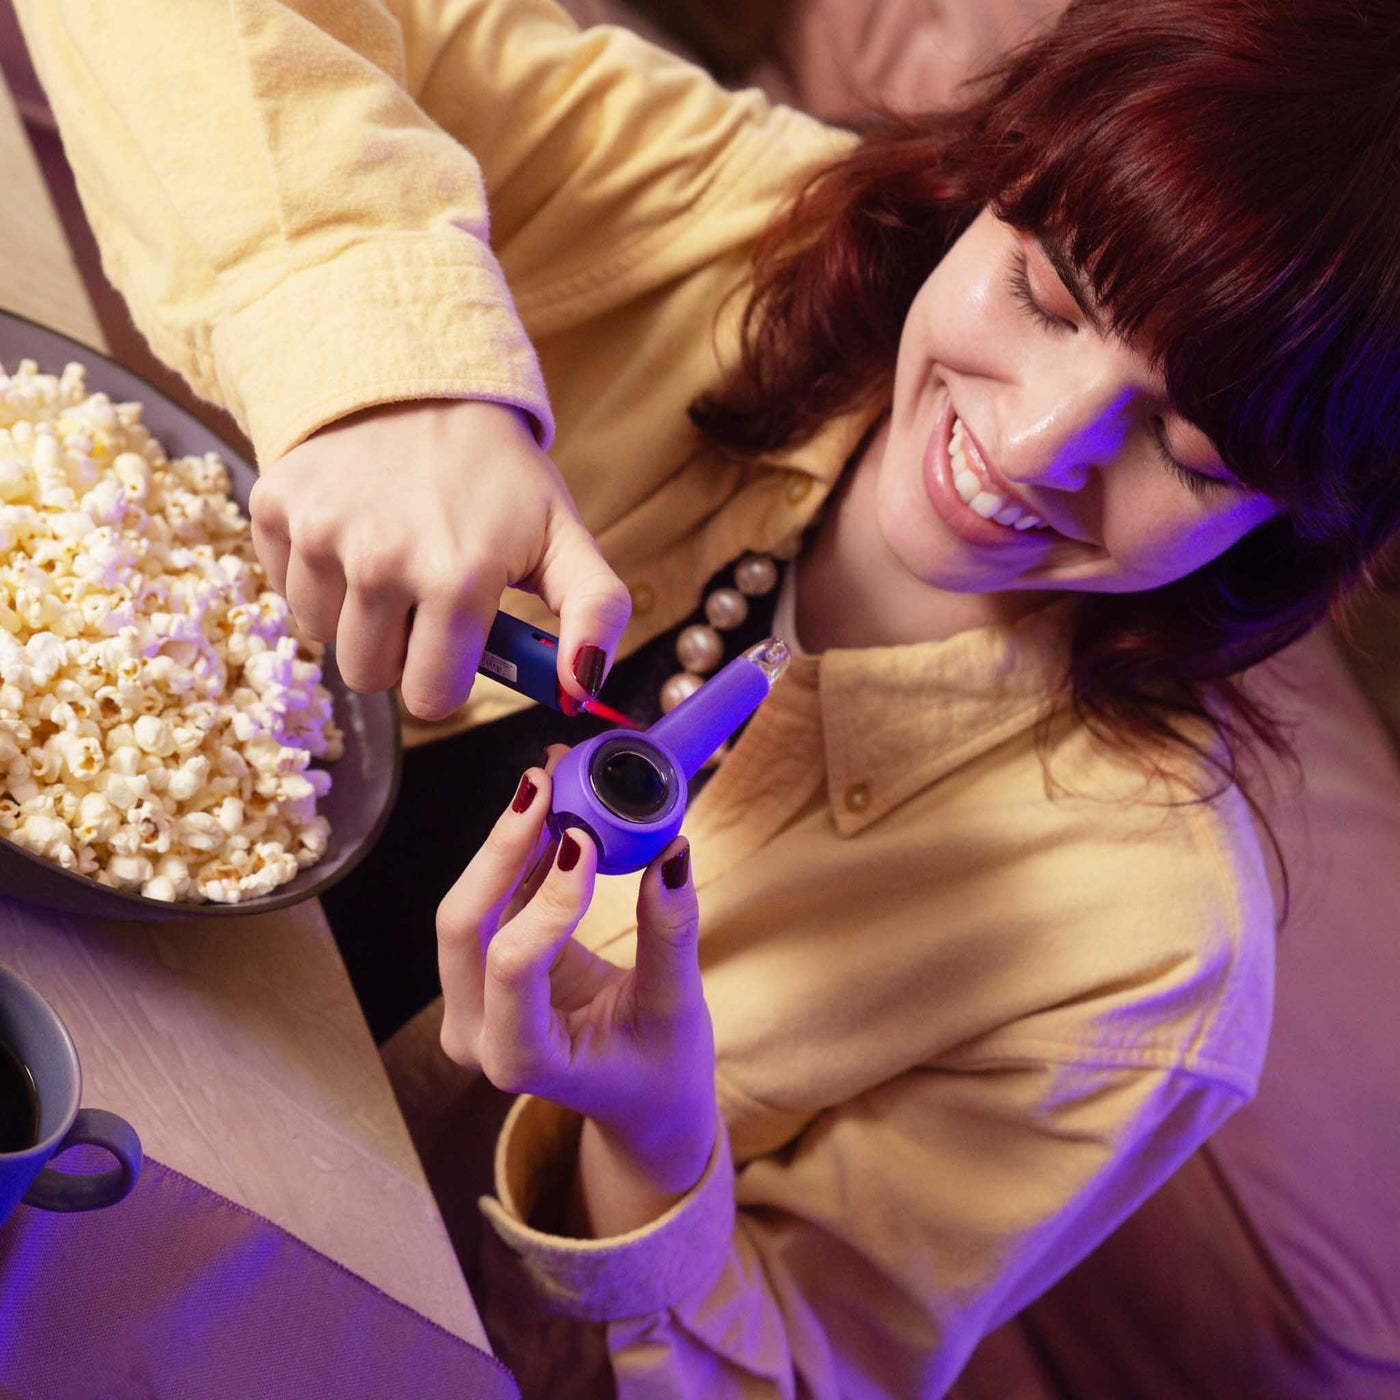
(591, 602)
(668, 930)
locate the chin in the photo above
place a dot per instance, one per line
(920, 543)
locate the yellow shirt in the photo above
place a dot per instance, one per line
(962, 1027)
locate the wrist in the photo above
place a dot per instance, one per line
(618, 1187)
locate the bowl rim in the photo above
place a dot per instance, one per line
(203, 909)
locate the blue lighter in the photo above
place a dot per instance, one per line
(526, 659)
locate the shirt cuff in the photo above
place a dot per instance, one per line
(378, 323)
(644, 1271)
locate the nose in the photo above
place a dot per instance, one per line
(1064, 428)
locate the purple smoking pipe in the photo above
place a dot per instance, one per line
(627, 788)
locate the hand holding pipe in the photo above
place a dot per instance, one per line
(627, 788)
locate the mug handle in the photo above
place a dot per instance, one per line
(56, 1190)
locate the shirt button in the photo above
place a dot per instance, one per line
(798, 488)
(857, 797)
(643, 598)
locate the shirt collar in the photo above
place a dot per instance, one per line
(895, 719)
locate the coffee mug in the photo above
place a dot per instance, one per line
(40, 1089)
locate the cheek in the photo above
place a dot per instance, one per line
(957, 322)
(1172, 535)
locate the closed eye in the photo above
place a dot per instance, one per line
(1018, 283)
(1198, 483)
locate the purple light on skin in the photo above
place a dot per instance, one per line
(1099, 441)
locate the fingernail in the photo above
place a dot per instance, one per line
(524, 794)
(569, 851)
(588, 667)
(675, 870)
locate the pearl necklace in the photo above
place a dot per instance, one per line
(700, 648)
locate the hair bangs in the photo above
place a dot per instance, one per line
(1204, 211)
(1224, 175)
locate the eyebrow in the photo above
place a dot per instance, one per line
(1074, 283)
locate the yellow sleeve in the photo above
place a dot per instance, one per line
(292, 195)
(870, 1256)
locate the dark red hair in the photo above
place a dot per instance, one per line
(1226, 174)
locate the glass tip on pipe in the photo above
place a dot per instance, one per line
(771, 656)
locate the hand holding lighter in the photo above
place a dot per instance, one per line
(627, 788)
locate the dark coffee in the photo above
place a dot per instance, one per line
(19, 1103)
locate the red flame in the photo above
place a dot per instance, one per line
(596, 707)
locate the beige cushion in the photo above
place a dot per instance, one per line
(837, 56)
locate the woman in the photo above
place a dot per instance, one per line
(1070, 407)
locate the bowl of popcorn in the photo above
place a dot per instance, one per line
(171, 745)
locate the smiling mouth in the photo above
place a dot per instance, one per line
(976, 491)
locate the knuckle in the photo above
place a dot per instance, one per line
(461, 1044)
(373, 566)
(502, 1070)
(428, 701)
(614, 605)
(262, 499)
(456, 595)
(448, 920)
(681, 932)
(428, 691)
(317, 539)
(444, 579)
(507, 965)
(366, 680)
(507, 840)
(306, 624)
(556, 903)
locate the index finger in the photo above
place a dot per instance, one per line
(524, 1045)
(471, 911)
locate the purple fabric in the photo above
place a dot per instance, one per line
(176, 1291)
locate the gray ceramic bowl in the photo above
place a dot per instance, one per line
(366, 776)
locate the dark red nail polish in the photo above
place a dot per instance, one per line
(675, 870)
(524, 794)
(588, 667)
(569, 852)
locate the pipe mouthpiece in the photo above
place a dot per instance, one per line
(771, 656)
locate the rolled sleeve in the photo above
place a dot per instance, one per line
(290, 230)
(870, 1256)
(382, 323)
(648, 1270)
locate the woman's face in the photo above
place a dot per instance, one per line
(1029, 449)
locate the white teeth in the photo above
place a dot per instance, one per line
(973, 491)
(967, 485)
